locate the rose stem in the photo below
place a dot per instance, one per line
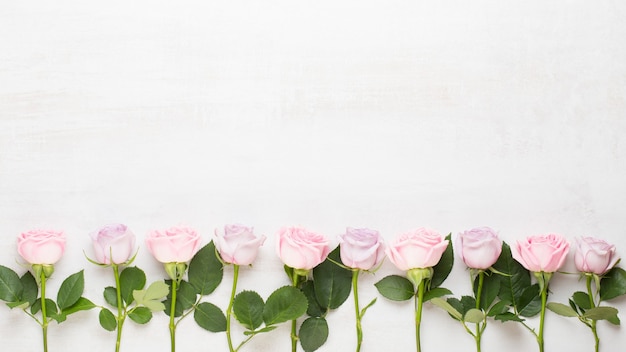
(294, 335)
(593, 322)
(359, 331)
(172, 313)
(418, 313)
(481, 278)
(229, 310)
(44, 325)
(544, 298)
(120, 316)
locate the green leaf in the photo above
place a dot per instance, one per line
(71, 289)
(498, 308)
(152, 297)
(436, 292)
(508, 316)
(205, 270)
(107, 320)
(210, 317)
(30, 289)
(444, 267)
(110, 295)
(19, 305)
(260, 331)
(445, 305)
(468, 303)
(131, 278)
(515, 280)
(474, 316)
(248, 309)
(562, 309)
(491, 288)
(185, 298)
(313, 333)
(10, 285)
(581, 299)
(314, 309)
(286, 303)
(600, 313)
(332, 282)
(395, 288)
(613, 320)
(82, 304)
(529, 303)
(140, 315)
(613, 284)
(51, 307)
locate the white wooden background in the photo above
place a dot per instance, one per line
(384, 114)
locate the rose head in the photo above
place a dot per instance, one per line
(479, 248)
(238, 244)
(419, 249)
(41, 246)
(541, 253)
(594, 255)
(299, 248)
(361, 248)
(113, 244)
(175, 245)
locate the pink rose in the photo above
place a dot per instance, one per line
(41, 246)
(361, 248)
(238, 245)
(299, 248)
(113, 244)
(594, 255)
(419, 249)
(541, 253)
(175, 245)
(479, 248)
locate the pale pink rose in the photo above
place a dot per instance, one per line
(114, 243)
(238, 244)
(479, 248)
(594, 255)
(418, 249)
(299, 248)
(175, 245)
(539, 253)
(361, 248)
(41, 246)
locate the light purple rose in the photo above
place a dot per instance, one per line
(418, 249)
(113, 243)
(479, 248)
(594, 255)
(238, 244)
(175, 245)
(541, 253)
(361, 248)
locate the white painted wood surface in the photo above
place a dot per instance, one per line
(387, 114)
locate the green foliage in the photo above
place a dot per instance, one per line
(395, 288)
(82, 304)
(491, 288)
(314, 309)
(313, 333)
(436, 292)
(205, 270)
(152, 297)
(332, 282)
(562, 309)
(10, 285)
(248, 309)
(131, 278)
(210, 317)
(110, 295)
(613, 284)
(107, 320)
(581, 299)
(140, 315)
(284, 304)
(444, 267)
(448, 307)
(71, 289)
(474, 316)
(51, 307)
(30, 290)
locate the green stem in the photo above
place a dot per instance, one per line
(294, 334)
(419, 300)
(172, 314)
(593, 323)
(229, 310)
(44, 318)
(357, 311)
(544, 298)
(120, 310)
(479, 329)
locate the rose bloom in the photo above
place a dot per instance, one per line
(418, 249)
(300, 248)
(41, 246)
(361, 248)
(541, 253)
(175, 245)
(114, 243)
(238, 244)
(479, 248)
(594, 255)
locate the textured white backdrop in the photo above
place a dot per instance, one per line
(383, 114)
